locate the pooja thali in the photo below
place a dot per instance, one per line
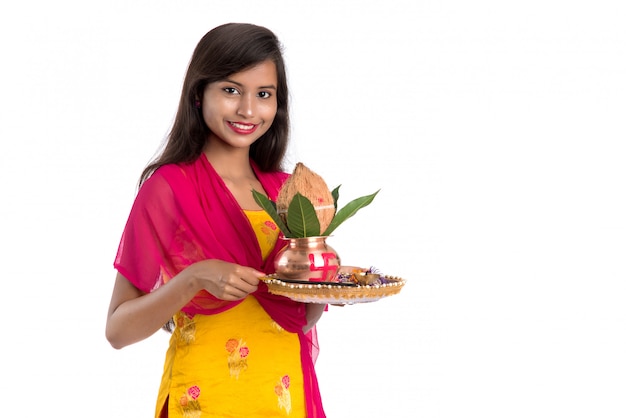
(347, 293)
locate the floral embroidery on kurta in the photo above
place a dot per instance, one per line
(270, 230)
(186, 327)
(237, 356)
(284, 396)
(190, 404)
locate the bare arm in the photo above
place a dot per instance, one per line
(134, 316)
(314, 312)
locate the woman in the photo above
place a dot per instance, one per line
(196, 244)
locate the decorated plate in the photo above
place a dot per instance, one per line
(334, 292)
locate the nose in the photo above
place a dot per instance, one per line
(246, 106)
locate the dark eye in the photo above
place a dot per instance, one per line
(265, 94)
(230, 90)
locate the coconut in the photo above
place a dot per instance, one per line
(313, 187)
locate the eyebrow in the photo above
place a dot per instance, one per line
(270, 86)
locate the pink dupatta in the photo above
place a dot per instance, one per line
(184, 213)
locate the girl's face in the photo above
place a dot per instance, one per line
(241, 108)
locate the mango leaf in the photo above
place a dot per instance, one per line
(335, 194)
(349, 210)
(301, 218)
(270, 207)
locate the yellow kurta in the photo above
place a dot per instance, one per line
(239, 363)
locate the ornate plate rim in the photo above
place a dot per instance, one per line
(328, 293)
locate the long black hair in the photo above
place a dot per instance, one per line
(223, 51)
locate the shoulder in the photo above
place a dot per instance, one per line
(162, 183)
(172, 174)
(281, 176)
(272, 181)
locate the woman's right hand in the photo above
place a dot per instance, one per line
(134, 315)
(224, 280)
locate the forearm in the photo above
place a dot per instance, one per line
(314, 312)
(133, 318)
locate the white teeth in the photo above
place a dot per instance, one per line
(240, 126)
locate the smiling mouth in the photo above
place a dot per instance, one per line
(242, 126)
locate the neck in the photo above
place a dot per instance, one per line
(234, 165)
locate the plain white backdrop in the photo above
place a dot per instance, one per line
(495, 131)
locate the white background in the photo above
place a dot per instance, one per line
(495, 131)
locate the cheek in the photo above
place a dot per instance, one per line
(206, 115)
(210, 113)
(269, 113)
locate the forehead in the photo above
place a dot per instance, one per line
(261, 74)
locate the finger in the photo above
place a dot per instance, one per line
(247, 286)
(233, 293)
(239, 287)
(250, 279)
(250, 276)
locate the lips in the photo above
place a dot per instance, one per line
(243, 128)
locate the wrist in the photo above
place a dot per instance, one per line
(193, 281)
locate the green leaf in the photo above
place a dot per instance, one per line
(349, 210)
(270, 208)
(335, 194)
(301, 217)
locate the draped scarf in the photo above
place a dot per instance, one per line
(184, 213)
